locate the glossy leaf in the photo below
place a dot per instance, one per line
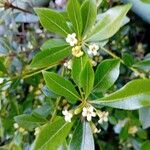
(52, 135)
(77, 67)
(106, 74)
(145, 145)
(144, 114)
(82, 137)
(2, 67)
(128, 59)
(88, 13)
(110, 23)
(53, 21)
(87, 79)
(144, 64)
(30, 121)
(53, 43)
(74, 13)
(50, 57)
(146, 1)
(133, 95)
(61, 86)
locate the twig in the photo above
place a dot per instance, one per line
(8, 5)
(142, 75)
(29, 74)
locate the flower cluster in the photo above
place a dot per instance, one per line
(93, 50)
(103, 116)
(68, 115)
(20, 129)
(88, 112)
(72, 40)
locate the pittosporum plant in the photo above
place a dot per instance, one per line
(81, 81)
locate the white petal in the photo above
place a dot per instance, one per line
(105, 119)
(74, 35)
(84, 109)
(90, 109)
(84, 113)
(71, 43)
(89, 118)
(100, 121)
(64, 112)
(95, 53)
(93, 114)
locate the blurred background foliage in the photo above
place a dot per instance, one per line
(23, 90)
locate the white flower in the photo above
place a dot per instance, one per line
(60, 3)
(132, 130)
(77, 52)
(94, 63)
(37, 131)
(68, 64)
(88, 112)
(93, 50)
(103, 116)
(96, 130)
(71, 39)
(67, 115)
(16, 126)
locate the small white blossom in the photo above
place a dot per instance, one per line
(96, 130)
(103, 116)
(67, 115)
(21, 130)
(94, 63)
(30, 46)
(16, 126)
(77, 52)
(60, 3)
(93, 50)
(71, 39)
(37, 130)
(132, 130)
(88, 112)
(68, 64)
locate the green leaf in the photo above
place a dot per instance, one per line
(52, 135)
(106, 74)
(29, 121)
(82, 137)
(61, 86)
(74, 13)
(144, 114)
(87, 79)
(2, 67)
(133, 95)
(146, 1)
(110, 23)
(50, 57)
(128, 59)
(77, 66)
(53, 43)
(88, 13)
(145, 145)
(144, 64)
(53, 21)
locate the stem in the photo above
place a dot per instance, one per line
(27, 75)
(21, 9)
(55, 110)
(142, 75)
